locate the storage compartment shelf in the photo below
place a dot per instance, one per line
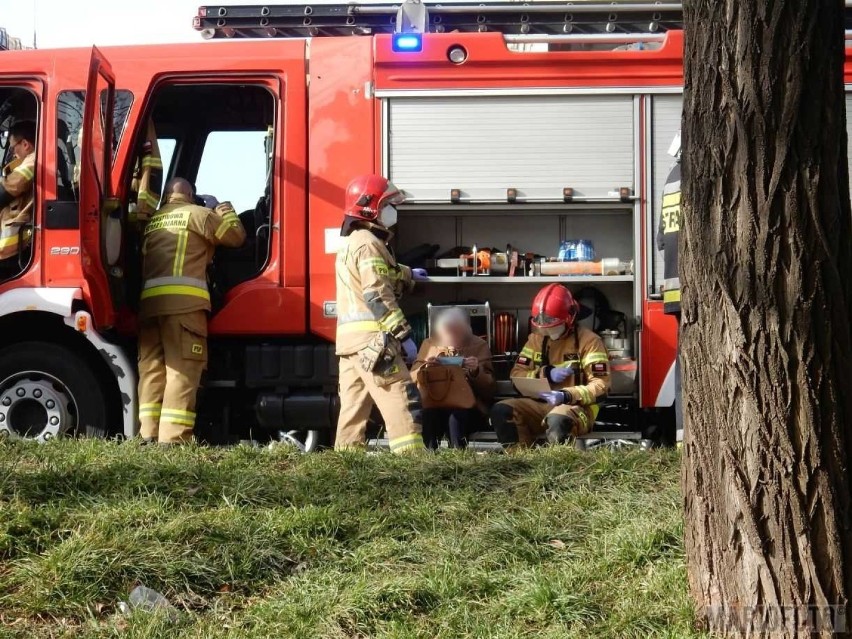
(564, 279)
(577, 208)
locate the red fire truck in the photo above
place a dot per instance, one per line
(512, 128)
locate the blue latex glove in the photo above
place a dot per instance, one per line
(409, 350)
(554, 398)
(558, 374)
(419, 274)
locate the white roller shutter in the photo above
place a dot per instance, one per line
(665, 123)
(484, 145)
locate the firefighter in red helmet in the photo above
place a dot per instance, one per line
(373, 337)
(575, 362)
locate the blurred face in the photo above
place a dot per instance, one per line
(453, 332)
(21, 148)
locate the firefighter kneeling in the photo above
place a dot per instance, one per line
(372, 332)
(575, 362)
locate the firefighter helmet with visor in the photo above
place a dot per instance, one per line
(554, 306)
(367, 195)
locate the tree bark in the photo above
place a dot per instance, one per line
(766, 273)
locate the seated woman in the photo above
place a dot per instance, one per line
(453, 337)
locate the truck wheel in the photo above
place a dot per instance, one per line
(47, 390)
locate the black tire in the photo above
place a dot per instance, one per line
(31, 370)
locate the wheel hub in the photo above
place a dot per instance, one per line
(34, 406)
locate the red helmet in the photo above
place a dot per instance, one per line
(554, 305)
(368, 194)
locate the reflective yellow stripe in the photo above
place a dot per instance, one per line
(595, 358)
(376, 264)
(671, 296)
(595, 410)
(359, 327)
(150, 410)
(406, 443)
(26, 171)
(392, 320)
(146, 197)
(671, 199)
(6, 242)
(180, 252)
(532, 374)
(153, 162)
(176, 416)
(157, 291)
(586, 396)
(535, 356)
(229, 221)
(183, 421)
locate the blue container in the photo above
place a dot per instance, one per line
(576, 251)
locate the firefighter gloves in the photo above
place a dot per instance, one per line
(558, 374)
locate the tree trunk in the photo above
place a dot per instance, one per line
(766, 272)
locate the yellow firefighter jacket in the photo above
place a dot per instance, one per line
(178, 246)
(580, 349)
(369, 285)
(18, 184)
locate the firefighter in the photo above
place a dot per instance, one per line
(373, 337)
(575, 362)
(668, 237)
(177, 248)
(16, 194)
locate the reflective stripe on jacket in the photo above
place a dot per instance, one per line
(583, 351)
(369, 285)
(178, 246)
(17, 184)
(668, 237)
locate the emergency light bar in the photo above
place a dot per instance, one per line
(407, 42)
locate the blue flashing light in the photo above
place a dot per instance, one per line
(407, 42)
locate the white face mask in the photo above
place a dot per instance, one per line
(387, 216)
(553, 333)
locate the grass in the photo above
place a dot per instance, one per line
(253, 543)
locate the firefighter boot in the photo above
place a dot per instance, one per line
(520, 421)
(560, 428)
(503, 423)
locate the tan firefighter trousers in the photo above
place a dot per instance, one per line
(529, 415)
(172, 357)
(393, 392)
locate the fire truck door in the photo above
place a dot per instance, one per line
(100, 216)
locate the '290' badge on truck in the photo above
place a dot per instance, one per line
(64, 250)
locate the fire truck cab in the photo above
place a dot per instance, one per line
(510, 128)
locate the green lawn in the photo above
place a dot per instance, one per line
(251, 543)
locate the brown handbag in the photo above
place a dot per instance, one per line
(444, 387)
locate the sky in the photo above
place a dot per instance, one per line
(82, 23)
(74, 23)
